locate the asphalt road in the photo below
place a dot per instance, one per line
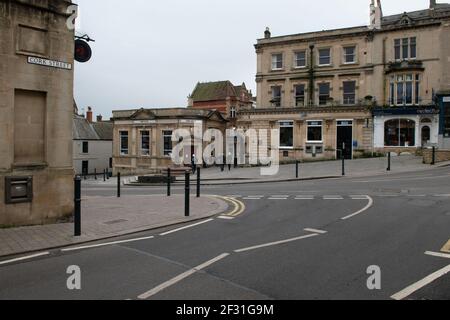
(307, 240)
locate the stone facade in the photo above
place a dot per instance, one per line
(141, 137)
(36, 110)
(440, 156)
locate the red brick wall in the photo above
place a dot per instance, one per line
(220, 106)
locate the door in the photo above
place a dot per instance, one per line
(426, 135)
(345, 139)
(85, 168)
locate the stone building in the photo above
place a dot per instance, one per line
(92, 144)
(36, 111)
(320, 88)
(222, 96)
(143, 138)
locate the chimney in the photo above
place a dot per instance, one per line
(376, 14)
(89, 115)
(432, 4)
(99, 118)
(267, 33)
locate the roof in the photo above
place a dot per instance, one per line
(441, 10)
(166, 113)
(210, 91)
(83, 130)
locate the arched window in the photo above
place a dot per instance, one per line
(400, 133)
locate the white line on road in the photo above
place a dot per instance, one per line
(106, 244)
(315, 231)
(369, 205)
(276, 243)
(181, 277)
(438, 254)
(442, 195)
(304, 198)
(187, 227)
(420, 284)
(225, 217)
(25, 258)
(333, 198)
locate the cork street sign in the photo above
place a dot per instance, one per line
(50, 63)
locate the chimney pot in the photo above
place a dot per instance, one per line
(267, 33)
(99, 118)
(89, 115)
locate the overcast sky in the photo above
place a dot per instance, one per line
(152, 53)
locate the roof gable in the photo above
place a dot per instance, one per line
(143, 114)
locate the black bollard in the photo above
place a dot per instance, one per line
(343, 164)
(389, 162)
(169, 181)
(433, 157)
(107, 174)
(118, 185)
(77, 202)
(198, 182)
(95, 173)
(296, 169)
(187, 191)
(104, 175)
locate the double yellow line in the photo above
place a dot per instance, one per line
(239, 206)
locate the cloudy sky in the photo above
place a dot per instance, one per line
(152, 53)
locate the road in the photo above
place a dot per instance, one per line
(296, 240)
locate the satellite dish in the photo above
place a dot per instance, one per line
(83, 51)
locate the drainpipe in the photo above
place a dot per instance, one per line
(311, 75)
(384, 73)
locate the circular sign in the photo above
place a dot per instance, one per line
(83, 51)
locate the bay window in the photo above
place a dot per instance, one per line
(404, 90)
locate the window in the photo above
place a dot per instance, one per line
(286, 134)
(233, 112)
(85, 147)
(314, 131)
(324, 57)
(350, 55)
(276, 96)
(400, 133)
(299, 95)
(349, 92)
(405, 89)
(277, 61)
(123, 142)
(167, 137)
(145, 143)
(324, 93)
(300, 59)
(405, 48)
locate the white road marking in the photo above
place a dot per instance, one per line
(25, 258)
(276, 243)
(417, 195)
(420, 284)
(106, 244)
(181, 277)
(333, 198)
(358, 197)
(442, 195)
(225, 217)
(276, 198)
(315, 231)
(187, 227)
(304, 198)
(369, 205)
(253, 198)
(438, 254)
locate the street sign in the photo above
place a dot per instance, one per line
(49, 63)
(83, 51)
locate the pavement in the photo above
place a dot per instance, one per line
(106, 217)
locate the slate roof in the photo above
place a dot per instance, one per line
(439, 10)
(211, 91)
(83, 130)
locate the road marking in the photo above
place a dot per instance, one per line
(441, 195)
(438, 254)
(106, 244)
(181, 277)
(446, 248)
(417, 195)
(278, 198)
(420, 284)
(388, 195)
(25, 258)
(369, 205)
(304, 198)
(187, 227)
(225, 217)
(276, 243)
(252, 198)
(315, 231)
(333, 198)
(358, 197)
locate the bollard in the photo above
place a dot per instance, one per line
(169, 178)
(187, 191)
(389, 162)
(107, 174)
(296, 169)
(77, 213)
(104, 175)
(95, 173)
(343, 165)
(118, 185)
(198, 182)
(433, 157)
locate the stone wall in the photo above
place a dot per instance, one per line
(441, 155)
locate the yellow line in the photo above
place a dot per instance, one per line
(446, 248)
(239, 206)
